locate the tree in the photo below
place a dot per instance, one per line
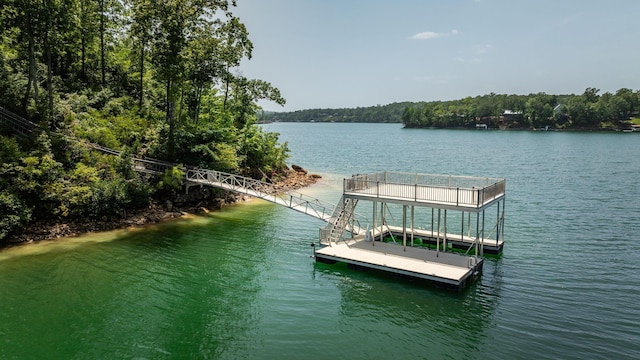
(247, 92)
(234, 46)
(27, 16)
(140, 31)
(539, 109)
(591, 95)
(88, 15)
(175, 22)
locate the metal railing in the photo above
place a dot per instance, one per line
(342, 219)
(453, 181)
(17, 123)
(263, 190)
(442, 189)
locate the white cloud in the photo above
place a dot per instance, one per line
(428, 35)
(482, 48)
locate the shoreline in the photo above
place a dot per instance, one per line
(199, 201)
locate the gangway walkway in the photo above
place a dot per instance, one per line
(262, 190)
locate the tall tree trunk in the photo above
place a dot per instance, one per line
(180, 107)
(27, 93)
(102, 26)
(83, 56)
(141, 99)
(226, 93)
(47, 47)
(170, 117)
(32, 80)
(196, 113)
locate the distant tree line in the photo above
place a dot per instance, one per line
(589, 110)
(151, 78)
(391, 113)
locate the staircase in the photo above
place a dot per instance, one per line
(340, 220)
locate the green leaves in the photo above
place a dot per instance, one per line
(13, 214)
(148, 78)
(588, 110)
(172, 179)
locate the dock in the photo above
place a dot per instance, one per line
(448, 269)
(431, 227)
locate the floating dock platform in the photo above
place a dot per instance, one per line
(448, 245)
(445, 268)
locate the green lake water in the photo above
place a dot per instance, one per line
(240, 283)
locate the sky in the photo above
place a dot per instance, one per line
(358, 53)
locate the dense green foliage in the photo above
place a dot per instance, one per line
(586, 111)
(391, 113)
(151, 78)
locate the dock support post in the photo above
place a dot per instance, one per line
(477, 231)
(498, 224)
(462, 228)
(482, 244)
(404, 227)
(502, 224)
(412, 217)
(382, 221)
(375, 210)
(432, 223)
(438, 237)
(444, 240)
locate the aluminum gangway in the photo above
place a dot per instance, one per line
(262, 190)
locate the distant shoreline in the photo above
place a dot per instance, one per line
(608, 130)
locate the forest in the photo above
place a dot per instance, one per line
(391, 113)
(157, 79)
(589, 110)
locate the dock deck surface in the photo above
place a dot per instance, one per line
(441, 267)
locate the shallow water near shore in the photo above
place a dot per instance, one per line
(240, 283)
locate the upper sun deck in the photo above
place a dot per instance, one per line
(437, 191)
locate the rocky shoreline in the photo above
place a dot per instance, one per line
(198, 200)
